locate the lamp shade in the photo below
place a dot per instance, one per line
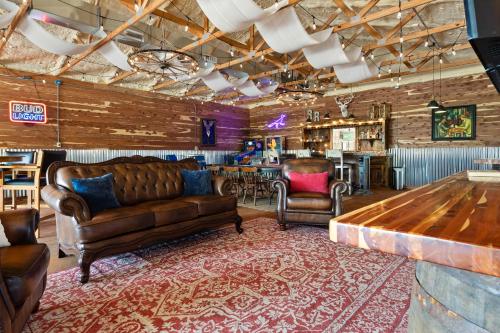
(433, 104)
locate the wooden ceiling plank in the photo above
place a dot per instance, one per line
(23, 9)
(134, 19)
(119, 77)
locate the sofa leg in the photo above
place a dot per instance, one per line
(238, 221)
(84, 262)
(36, 307)
(61, 253)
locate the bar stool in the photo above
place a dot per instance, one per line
(342, 167)
(398, 177)
(252, 183)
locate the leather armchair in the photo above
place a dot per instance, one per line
(308, 207)
(23, 269)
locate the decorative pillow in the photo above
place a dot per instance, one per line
(197, 182)
(97, 192)
(3, 238)
(308, 182)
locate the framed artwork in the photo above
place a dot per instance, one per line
(274, 148)
(454, 123)
(208, 132)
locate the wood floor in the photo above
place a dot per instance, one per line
(48, 230)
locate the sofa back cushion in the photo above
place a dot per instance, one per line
(134, 180)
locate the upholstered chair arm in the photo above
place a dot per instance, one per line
(221, 185)
(7, 309)
(20, 225)
(336, 191)
(283, 187)
(66, 203)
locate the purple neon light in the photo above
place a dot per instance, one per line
(278, 123)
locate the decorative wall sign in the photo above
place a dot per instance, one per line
(27, 112)
(208, 134)
(454, 123)
(343, 103)
(278, 123)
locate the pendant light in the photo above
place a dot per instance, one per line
(441, 108)
(433, 104)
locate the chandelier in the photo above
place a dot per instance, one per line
(297, 97)
(163, 62)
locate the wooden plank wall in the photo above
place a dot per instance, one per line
(410, 123)
(99, 116)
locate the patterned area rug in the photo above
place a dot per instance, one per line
(218, 281)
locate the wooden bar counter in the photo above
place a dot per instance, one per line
(452, 227)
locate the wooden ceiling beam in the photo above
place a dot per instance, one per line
(119, 77)
(23, 9)
(134, 19)
(418, 34)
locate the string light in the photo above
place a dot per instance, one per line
(399, 15)
(314, 24)
(232, 52)
(426, 43)
(186, 28)
(453, 52)
(401, 39)
(401, 54)
(372, 56)
(363, 57)
(440, 59)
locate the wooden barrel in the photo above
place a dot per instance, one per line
(446, 299)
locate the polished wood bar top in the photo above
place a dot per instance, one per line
(453, 222)
(489, 161)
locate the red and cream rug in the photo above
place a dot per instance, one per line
(261, 281)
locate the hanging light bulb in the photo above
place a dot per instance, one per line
(262, 57)
(453, 52)
(392, 79)
(390, 70)
(241, 65)
(440, 60)
(232, 52)
(186, 28)
(426, 43)
(399, 15)
(343, 44)
(314, 24)
(372, 56)
(401, 54)
(276, 5)
(363, 57)
(379, 75)
(401, 40)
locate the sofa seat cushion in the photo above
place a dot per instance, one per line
(211, 204)
(309, 201)
(170, 212)
(23, 267)
(114, 222)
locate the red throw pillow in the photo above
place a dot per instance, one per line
(308, 182)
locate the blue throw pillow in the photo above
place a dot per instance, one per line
(197, 182)
(97, 192)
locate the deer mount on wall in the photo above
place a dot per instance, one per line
(343, 103)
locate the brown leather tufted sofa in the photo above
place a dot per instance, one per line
(153, 208)
(23, 269)
(306, 207)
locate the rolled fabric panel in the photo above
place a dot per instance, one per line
(250, 89)
(221, 80)
(11, 9)
(356, 71)
(236, 15)
(284, 33)
(330, 53)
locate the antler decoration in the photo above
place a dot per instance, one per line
(343, 103)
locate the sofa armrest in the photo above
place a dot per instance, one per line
(336, 191)
(7, 309)
(66, 203)
(20, 225)
(221, 185)
(282, 186)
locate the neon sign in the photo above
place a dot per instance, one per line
(278, 123)
(27, 112)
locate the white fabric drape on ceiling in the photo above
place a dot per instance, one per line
(37, 34)
(250, 89)
(284, 32)
(198, 75)
(236, 15)
(11, 9)
(354, 72)
(222, 80)
(330, 53)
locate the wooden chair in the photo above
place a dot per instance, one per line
(252, 183)
(30, 184)
(233, 173)
(268, 176)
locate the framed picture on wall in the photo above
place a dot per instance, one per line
(454, 123)
(208, 132)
